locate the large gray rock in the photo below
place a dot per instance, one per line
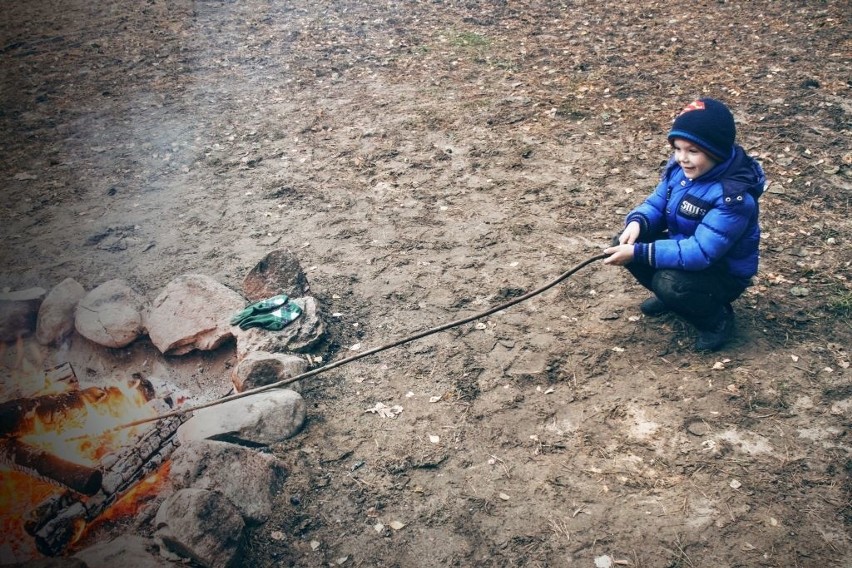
(260, 419)
(19, 312)
(248, 478)
(111, 314)
(56, 314)
(201, 525)
(192, 312)
(278, 273)
(260, 368)
(300, 336)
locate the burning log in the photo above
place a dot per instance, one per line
(78, 477)
(56, 522)
(63, 529)
(48, 509)
(53, 411)
(135, 462)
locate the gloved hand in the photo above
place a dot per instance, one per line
(275, 320)
(262, 306)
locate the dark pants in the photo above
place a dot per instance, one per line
(700, 297)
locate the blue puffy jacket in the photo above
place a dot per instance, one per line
(710, 220)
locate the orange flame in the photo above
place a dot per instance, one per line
(88, 433)
(141, 493)
(19, 492)
(130, 504)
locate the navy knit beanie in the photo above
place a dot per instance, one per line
(709, 124)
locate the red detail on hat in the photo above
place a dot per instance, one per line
(694, 105)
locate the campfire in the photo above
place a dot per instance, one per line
(63, 462)
(69, 461)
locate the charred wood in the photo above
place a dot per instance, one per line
(123, 468)
(57, 521)
(62, 374)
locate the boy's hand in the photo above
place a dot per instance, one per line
(619, 255)
(630, 233)
(622, 253)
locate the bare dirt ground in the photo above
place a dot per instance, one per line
(428, 160)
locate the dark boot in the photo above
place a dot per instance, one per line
(713, 338)
(653, 307)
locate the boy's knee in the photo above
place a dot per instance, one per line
(667, 286)
(682, 293)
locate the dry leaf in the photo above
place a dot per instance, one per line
(385, 411)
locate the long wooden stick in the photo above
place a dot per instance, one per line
(372, 351)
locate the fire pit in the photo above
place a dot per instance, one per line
(64, 464)
(68, 459)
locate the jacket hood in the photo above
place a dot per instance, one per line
(741, 174)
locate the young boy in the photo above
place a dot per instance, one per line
(694, 241)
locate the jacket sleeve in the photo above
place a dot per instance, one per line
(718, 231)
(651, 213)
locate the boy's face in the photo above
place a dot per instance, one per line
(694, 161)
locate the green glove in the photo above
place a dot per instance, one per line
(260, 307)
(275, 320)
